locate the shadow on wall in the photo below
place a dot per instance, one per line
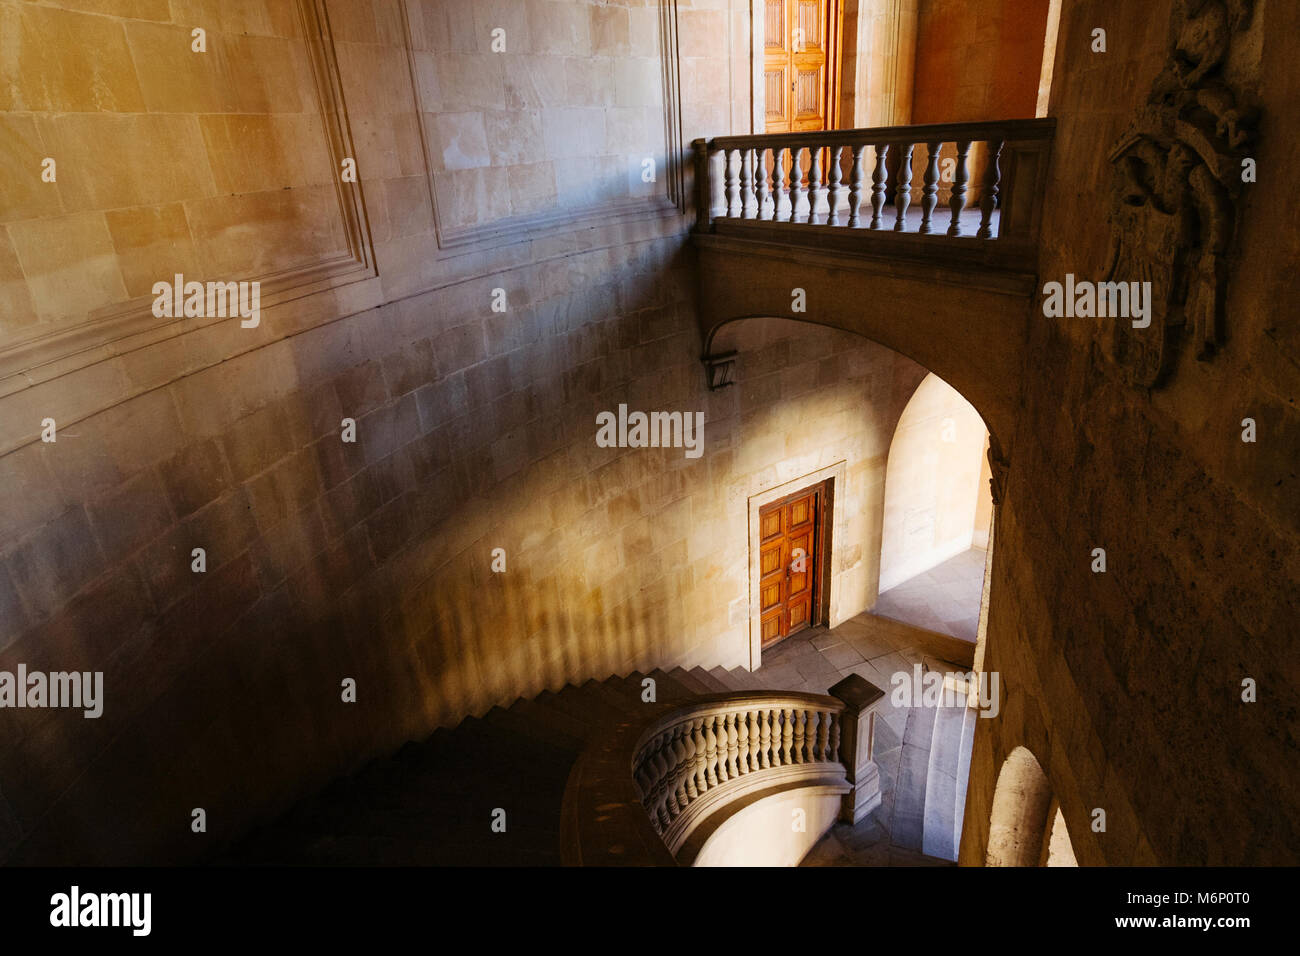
(937, 500)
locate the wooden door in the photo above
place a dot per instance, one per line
(799, 64)
(789, 559)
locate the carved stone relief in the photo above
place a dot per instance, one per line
(1177, 181)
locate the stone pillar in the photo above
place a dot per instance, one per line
(857, 740)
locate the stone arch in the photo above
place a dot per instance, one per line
(966, 323)
(1022, 813)
(718, 336)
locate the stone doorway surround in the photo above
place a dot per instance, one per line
(836, 476)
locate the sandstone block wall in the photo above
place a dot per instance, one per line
(1127, 685)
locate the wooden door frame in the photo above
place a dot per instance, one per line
(831, 528)
(834, 40)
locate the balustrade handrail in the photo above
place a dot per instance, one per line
(1017, 130)
(639, 790)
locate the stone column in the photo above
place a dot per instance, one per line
(857, 735)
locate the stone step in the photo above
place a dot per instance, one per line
(704, 677)
(941, 783)
(723, 677)
(689, 681)
(616, 694)
(963, 771)
(583, 704)
(741, 679)
(907, 825)
(432, 802)
(555, 721)
(668, 689)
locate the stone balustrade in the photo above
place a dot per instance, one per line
(673, 779)
(866, 184)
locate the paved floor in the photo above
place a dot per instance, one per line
(875, 648)
(945, 599)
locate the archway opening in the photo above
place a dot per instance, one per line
(937, 513)
(1026, 827)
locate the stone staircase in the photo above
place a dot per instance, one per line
(434, 802)
(924, 775)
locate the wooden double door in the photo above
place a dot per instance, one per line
(790, 557)
(800, 65)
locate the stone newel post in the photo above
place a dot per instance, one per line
(861, 698)
(705, 187)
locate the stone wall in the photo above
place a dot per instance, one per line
(1127, 685)
(373, 560)
(977, 61)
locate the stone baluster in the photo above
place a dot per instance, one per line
(688, 764)
(701, 756)
(658, 771)
(731, 160)
(833, 745)
(761, 191)
(796, 183)
(746, 182)
(640, 773)
(710, 751)
(960, 180)
(733, 744)
(903, 192)
(861, 698)
(667, 799)
(879, 183)
(754, 740)
(765, 734)
(787, 737)
(800, 730)
(930, 188)
(682, 755)
(814, 181)
(989, 197)
(724, 771)
(778, 182)
(833, 190)
(855, 185)
(677, 784)
(742, 742)
(823, 736)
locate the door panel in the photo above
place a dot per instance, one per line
(789, 576)
(797, 58)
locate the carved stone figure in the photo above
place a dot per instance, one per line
(1178, 175)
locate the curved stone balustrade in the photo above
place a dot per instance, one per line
(651, 792)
